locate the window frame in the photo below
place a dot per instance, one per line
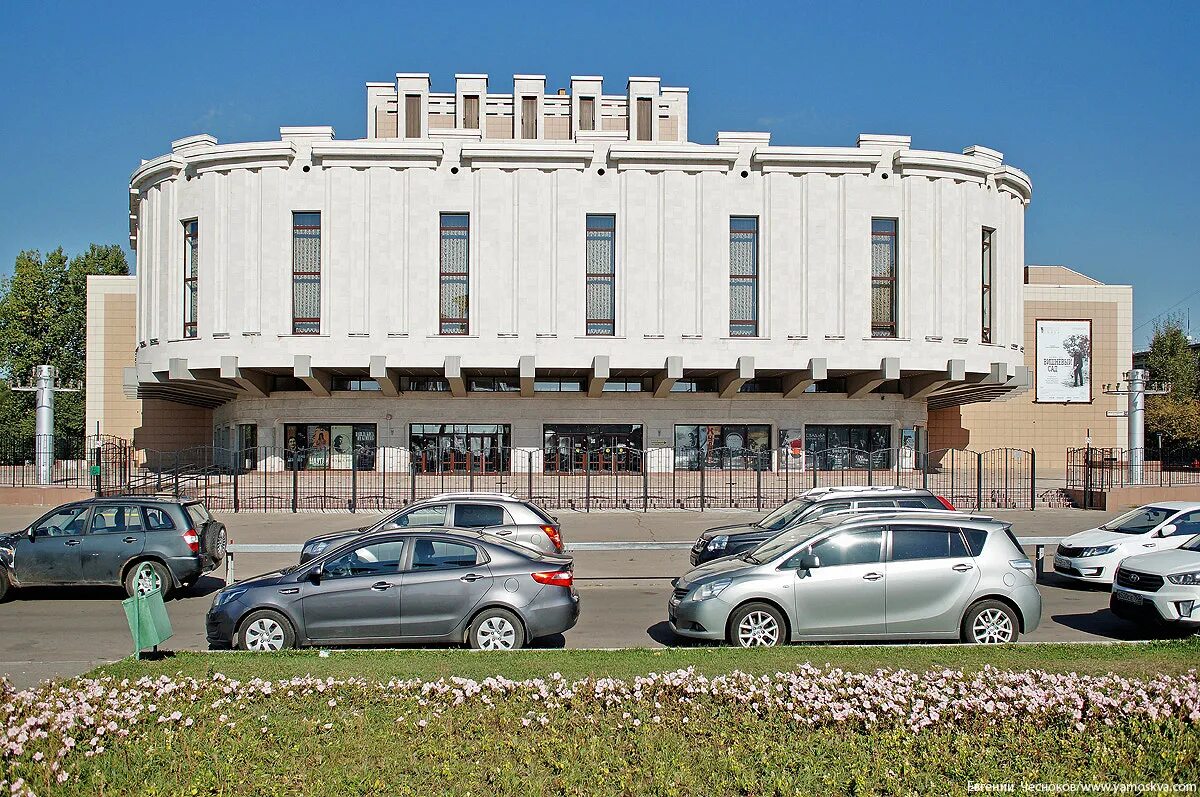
(590, 278)
(949, 531)
(470, 100)
(587, 114)
(412, 116)
(191, 277)
(529, 121)
(408, 563)
(887, 328)
(299, 321)
(445, 321)
(405, 549)
(753, 279)
(644, 107)
(987, 268)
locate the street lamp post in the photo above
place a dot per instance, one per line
(45, 385)
(1137, 386)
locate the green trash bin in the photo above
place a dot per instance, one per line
(148, 621)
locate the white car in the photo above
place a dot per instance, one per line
(1093, 555)
(1162, 588)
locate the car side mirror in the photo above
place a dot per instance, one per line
(1167, 530)
(808, 561)
(31, 534)
(314, 575)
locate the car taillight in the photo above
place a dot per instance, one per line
(193, 540)
(946, 503)
(555, 536)
(557, 578)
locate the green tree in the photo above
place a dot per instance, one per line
(1175, 416)
(43, 319)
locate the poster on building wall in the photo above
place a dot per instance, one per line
(342, 448)
(1064, 362)
(791, 445)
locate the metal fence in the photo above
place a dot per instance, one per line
(19, 460)
(1093, 469)
(382, 478)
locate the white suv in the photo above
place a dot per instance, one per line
(1162, 588)
(1093, 555)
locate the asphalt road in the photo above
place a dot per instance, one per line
(59, 631)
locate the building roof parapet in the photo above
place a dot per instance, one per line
(686, 157)
(364, 153)
(825, 160)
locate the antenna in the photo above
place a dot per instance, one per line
(45, 383)
(1137, 386)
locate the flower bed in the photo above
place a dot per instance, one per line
(219, 735)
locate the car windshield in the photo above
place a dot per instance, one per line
(1140, 520)
(1191, 545)
(785, 515)
(778, 546)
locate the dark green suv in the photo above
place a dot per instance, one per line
(139, 543)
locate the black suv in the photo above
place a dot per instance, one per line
(107, 540)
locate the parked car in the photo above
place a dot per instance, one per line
(396, 586)
(722, 541)
(106, 540)
(1161, 588)
(1093, 555)
(502, 514)
(910, 575)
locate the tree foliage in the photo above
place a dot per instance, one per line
(43, 319)
(1175, 416)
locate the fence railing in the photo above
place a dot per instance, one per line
(382, 478)
(1094, 469)
(66, 458)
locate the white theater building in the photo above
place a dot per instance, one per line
(512, 267)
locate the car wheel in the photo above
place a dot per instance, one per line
(147, 576)
(265, 631)
(5, 587)
(990, 623)
(496, 629)
(757, 625)
(218, 544)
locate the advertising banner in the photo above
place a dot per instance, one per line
(1064, 362)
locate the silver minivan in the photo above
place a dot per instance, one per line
(912, 575)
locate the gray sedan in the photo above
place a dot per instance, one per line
(423, 585)
(936, 575)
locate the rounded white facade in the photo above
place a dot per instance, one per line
(380, 203)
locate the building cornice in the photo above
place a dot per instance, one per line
(254, 155)
(543, 155)
(820, 160)
(154, 171)
(673, 157)
(928, 163)
(378, 152)
(1015, 182)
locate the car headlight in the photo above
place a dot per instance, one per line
(1099, 550)
(314, 548)
(712, 589)
(1191, 579)
(225, 596)
(718, 542)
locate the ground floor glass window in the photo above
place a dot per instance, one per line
(329, 446)
(476, 447)
(837, 447)
(607, 447)
(723, 446)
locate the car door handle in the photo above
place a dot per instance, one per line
(872, 577)
(381, 586)
(963, 568)
(1149, 545)
(130, 540)
(471, 577)
(503, 532)
(73, 542)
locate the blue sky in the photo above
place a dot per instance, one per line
(1098, 102)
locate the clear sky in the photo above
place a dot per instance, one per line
(1096, 101)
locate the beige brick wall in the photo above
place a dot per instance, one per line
(167, 426)
(111, 341)
(1050, 429)
(499, 126)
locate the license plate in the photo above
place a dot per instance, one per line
(1129, 597)
(1061, 561)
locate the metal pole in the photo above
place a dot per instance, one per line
(979, 481)
(1137, 423)
(1032, 479)
(702, 469)
(353, 479)
(295, 479)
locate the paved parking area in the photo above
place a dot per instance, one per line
(66, 631)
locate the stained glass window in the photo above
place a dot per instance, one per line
(306, 273)
(453, 274)
(743, 276)
(601, 274)
(883, 278)
(191, 275)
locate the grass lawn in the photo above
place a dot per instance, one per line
(353, 723)
(1140, 660)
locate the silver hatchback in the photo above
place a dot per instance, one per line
(915, 575)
